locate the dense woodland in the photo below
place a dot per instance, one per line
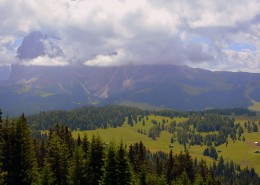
(93, 117)
(60, 159)
(85, 118)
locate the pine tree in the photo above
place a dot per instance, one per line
(1, 121)
(47, 177)
(124, 167)
(159, 166)
(57, 158)
(7, 150)
(161, 181)
(79, 140)
(3, 173)
(95, 161)
(198, 180)
(183, 179)
(42, 154)
(24, 170)
(110, 170)
(170, 168)
(77, 167)
(85, 146)
(143, 176)
(189, 166)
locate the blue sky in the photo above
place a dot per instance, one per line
(214, 35)
(242, 46)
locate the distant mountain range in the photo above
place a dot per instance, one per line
(33, 88)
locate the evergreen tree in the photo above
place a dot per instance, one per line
(143, 176)
(57, 158)
(183, 179)
(189, 166)
(42, 154)
(159, 165)
(198, 180)
(77, 167)
(24, 169)
(85, 146)
(95, 161)
(124, 167)
(79, 140)
(110, 170)
(170, 168)
(3, 173)
(47, 177)
(1, 121)
(7, 133)
(161, 181)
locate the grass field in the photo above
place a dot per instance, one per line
(255, 106)
(241, 152)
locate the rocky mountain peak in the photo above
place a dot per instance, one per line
(37, 44)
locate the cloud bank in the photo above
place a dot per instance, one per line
(216, 35)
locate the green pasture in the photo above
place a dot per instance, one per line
(242, 152)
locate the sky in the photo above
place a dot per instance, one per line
(210, 34)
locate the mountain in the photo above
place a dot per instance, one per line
(33, 88)
(37, 44)
(4, 72)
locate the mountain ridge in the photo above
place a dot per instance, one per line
(39, 88)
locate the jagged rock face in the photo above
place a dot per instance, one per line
(4, 72)
(32, 46)
(37, 44)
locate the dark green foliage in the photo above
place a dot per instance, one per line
(77, 170)
(85, 146)
(57, 157)
(111, 173)
(117, 169)
(143, 176)
(137, 155)
(123, 166)
(183, 179)
(171, 168)
(85, 118)
(47, 176)
(1, 121)
(211, 152)
(95, 161)
(154, 132)
(18, 162)
(234, 111)
(222, 127)
(63, 160)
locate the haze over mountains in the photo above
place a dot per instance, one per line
(35, 88)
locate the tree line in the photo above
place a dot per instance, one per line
(84, 118)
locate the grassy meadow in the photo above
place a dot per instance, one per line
(241, 152)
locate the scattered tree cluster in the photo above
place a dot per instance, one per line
(216, 128)
(211, 152)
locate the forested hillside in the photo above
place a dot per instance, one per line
(85, 118)
(93, 117)
(61, 159)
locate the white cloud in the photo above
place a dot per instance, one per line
(46, 61)
(147, 31)
(116, 58)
